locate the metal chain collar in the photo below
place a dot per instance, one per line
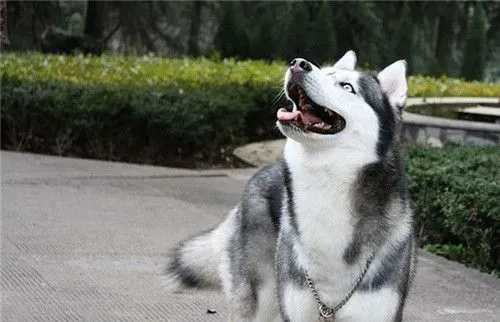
(325, 311)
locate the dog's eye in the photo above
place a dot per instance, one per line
(348, 87)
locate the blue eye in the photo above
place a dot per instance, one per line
(348, 87)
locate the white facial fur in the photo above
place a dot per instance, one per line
(322, 86)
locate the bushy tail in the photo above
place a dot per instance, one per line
(195, 262)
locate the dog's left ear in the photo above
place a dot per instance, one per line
(348, 61)
(393, 82)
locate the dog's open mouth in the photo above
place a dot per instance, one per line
(310, 116)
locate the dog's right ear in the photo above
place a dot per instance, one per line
(348, 61)
(393, 82)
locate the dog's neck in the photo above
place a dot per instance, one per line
(339, 163)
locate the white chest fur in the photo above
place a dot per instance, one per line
(321, 185)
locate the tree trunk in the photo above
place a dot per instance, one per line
(33, 26)
(445, 35)
(94, 22)
(194, 29)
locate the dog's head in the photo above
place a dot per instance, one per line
(338, 106)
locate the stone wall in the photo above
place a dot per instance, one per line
(438, 136)
(435, 131)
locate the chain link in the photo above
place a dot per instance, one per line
(324, 310)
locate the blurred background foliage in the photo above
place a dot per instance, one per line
(459, 39)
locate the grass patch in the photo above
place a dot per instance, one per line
(455, 193)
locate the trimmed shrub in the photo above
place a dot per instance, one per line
(168, 112)
(200, 74)
(426, 86)
(148, 71)
(149, 109)
(456, 192)
(119, 123)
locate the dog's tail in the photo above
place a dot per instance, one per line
(196, 261)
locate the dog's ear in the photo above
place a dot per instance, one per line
(348, 61)
(393, 82)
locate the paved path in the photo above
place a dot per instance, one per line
(86, 241)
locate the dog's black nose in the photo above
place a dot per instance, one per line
(301, 64)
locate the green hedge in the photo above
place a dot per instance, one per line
(456, 192)
(143, 109)
(200, 74)
(115, 123)
(149, 109)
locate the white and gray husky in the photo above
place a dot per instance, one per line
(328, 233)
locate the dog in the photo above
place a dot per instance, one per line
(328, 233)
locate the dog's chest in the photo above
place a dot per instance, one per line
(325, 224)
(323, 214)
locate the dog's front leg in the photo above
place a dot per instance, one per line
(296, 301)
(382, 305)
(297, 304)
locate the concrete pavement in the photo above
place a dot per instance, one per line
(86, 240)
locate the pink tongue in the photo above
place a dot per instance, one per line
(286, 116)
